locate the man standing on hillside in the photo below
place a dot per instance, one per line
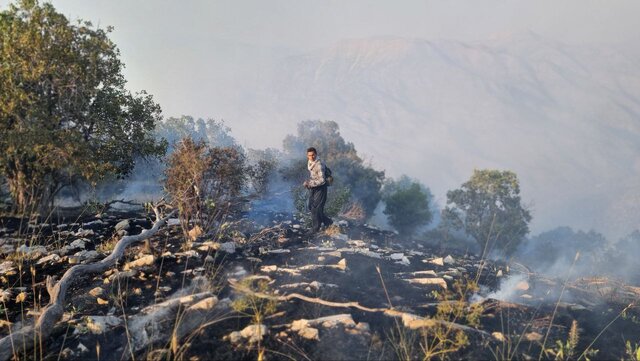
(317, 186)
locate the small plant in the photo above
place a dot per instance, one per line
(566, 350)
(632, 352)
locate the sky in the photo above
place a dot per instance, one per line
(161, 35)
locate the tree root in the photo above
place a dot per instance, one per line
(409, 320)
(29, 336)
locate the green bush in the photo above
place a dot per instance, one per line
(407, 205)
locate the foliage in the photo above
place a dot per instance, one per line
(487, 207)
(262, 168)
(349, 170)
(407, 205)
(65, 114)
(566, 350)
(210, 131)
(203, 182)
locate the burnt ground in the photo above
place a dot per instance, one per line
(509, 315)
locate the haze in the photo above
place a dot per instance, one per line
(431, 89)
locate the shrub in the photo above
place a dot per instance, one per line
(407, 205)
(203, 182)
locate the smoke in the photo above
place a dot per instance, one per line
(510, 290)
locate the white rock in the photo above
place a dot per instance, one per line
(99, 324)
(309, 333)
(143, 261)
(437, 261)
(78, 244)
(449, 260)
(270, 268)
(396, 256)
(85, 256)
(498, 336)
(173, 222)
(6, 267)
(123, 225)
(229, 247)
(84, 232)
(429, 281)
(50, 258)
(82, 348)
(254, 333)
(499, 274)
(32, 252)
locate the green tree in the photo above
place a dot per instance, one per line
(349, 170)
(407, 205)
(65, 115)
(487, 207)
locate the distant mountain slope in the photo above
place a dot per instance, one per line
(565, 118)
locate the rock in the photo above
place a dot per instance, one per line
(448, 260)
(82, 348)
(84, 233)
(102, 301)
(6, 267)
(309, 333)
(228, 247)
(522, 286)
(270, 268)
(120, 276)
(97, 292)
(32, 252)
(277, 251)
(498, 336)
(321, 258)
(499, 274)
(143, 261)
(429, 281)
(195, 232)
(254, 333)
(425, 273)
(404, 261)
(123, 226)
(86, 256)
(533, 337)
(437, 261)
(296, 226)
(99, 324)
(50, 258)
(396, 256)
(78, 244)
(234, 337)
(342, 264)
(357, 243)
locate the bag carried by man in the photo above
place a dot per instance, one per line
(328, 178)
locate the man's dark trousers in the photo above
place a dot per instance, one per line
(317, 199)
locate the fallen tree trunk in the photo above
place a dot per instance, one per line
(30, 336)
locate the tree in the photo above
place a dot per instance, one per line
(407, 205)
(487, 208)
(65, 115)
(349, 170)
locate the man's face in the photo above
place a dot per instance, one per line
(311, 156)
